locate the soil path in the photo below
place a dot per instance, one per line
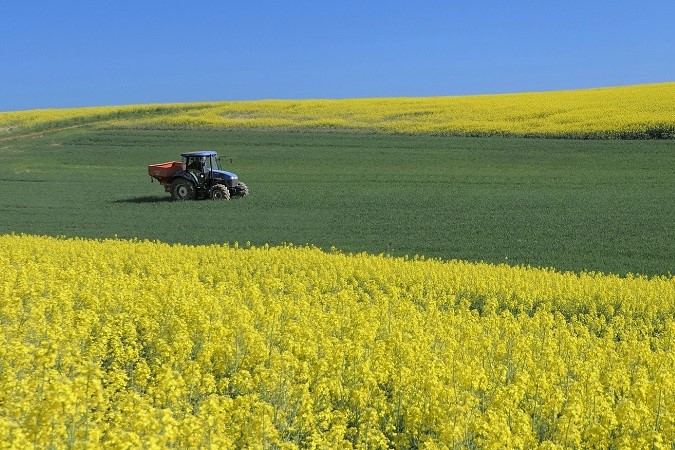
(40, 133)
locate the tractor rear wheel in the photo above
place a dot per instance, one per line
(240, 190)
(219, 192)
(182, 189)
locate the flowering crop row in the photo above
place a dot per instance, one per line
(130, 344)
(642, 111)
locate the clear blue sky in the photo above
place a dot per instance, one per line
(110, 52)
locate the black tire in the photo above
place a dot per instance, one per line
(182, 189)
(239, 190)
(219, 192)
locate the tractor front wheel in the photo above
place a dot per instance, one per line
(219, 192)
(182, 189)
(239, 190)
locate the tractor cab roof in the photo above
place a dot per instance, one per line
(200, 154)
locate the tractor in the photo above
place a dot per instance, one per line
(198, 175)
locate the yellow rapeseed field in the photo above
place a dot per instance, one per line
(640, 111)
(137, 344)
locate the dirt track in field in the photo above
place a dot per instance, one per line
(40, 133)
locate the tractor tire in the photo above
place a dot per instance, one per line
(182, 189)
(219, 192)
(239, 190)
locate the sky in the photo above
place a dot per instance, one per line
(67, 53)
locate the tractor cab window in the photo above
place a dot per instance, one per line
(207, 164)
(194, 163)
(215, 163)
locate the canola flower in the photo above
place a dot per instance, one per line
(17, 122)
(640, 111)
(138, 344)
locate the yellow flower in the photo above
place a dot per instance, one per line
(102, 344)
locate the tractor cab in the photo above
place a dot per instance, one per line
(204, 169)
(198, 166)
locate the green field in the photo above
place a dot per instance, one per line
(570, 204)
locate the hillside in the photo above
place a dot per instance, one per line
(630, 112)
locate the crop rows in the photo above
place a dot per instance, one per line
(133, 344)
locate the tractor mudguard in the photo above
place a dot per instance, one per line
(188, 176)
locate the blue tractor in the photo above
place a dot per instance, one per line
(198, 175)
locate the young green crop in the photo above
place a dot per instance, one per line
(570, 204)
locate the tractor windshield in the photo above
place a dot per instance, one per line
(215, 163)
